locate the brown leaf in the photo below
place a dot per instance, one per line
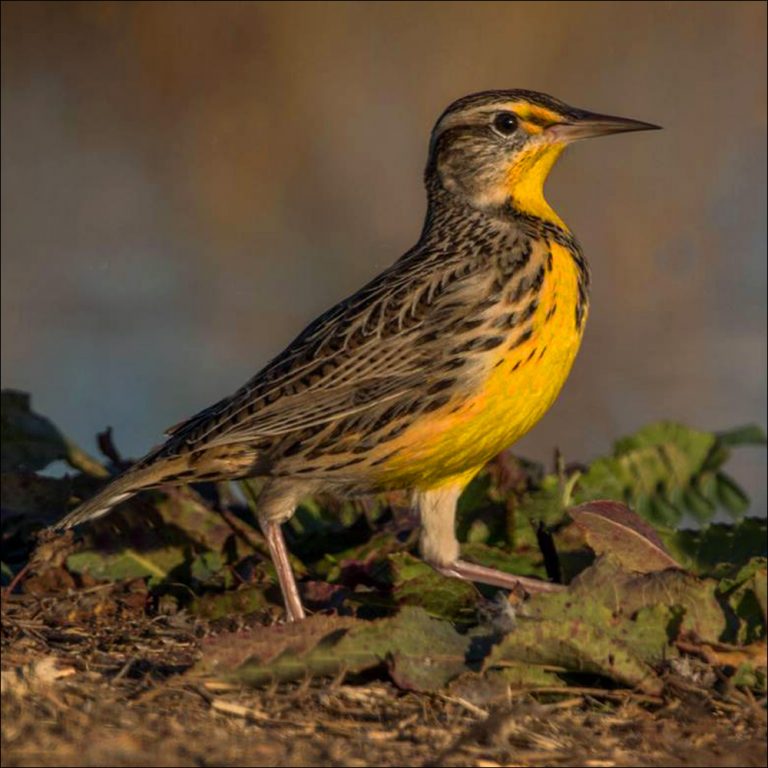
(49, 581)
(610, 527)
(264, 644)
(723, 655)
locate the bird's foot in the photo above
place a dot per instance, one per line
(461, 569)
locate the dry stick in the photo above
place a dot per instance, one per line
(595, 692)
(125, 669)
(17, 579)
(79, 459)
(468, 705)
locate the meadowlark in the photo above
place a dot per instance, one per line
(431, 369)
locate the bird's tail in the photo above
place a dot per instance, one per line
(133, 480)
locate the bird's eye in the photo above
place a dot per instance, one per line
(505, 123)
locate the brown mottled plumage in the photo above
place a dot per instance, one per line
(426, 372)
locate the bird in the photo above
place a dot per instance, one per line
(432, 368)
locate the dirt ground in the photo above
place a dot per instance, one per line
(90, 686)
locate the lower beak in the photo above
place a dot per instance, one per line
(588, 124)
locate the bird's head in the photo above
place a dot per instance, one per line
(497, 147)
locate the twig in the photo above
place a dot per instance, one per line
(125, 669)
(468, 705)
(107, 447)
(16, 580)
(79, 459)
(597, 693)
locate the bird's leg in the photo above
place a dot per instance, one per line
(276, 504)
(440, 548)
(273, 533)
(461, 569)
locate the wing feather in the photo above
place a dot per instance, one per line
(353, 357)
(367, 350)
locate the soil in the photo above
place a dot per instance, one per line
(95, 677)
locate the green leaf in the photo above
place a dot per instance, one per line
(663, 472)
(376, 548)
(612, 623)
(6, 573)
(421, 653)
(719, 548)
(625, 593)
(479, 516)
(417, 584)
(731, 496)
(750, 676)
(219, 605)
(523, 561)
(206, 566)
(178, 538)
(750, 434)
(577, 647)
(746, 594)
(128, 563)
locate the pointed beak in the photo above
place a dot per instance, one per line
(585, 125)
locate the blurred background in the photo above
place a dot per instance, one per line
(186, 185)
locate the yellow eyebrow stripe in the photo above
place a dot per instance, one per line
(532, 128)
(533, 113)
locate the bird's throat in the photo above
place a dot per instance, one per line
(525, 179)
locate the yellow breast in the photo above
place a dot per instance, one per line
(519, 387)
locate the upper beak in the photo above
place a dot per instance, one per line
(585, 125)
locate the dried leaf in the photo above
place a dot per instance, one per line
(612, 527)
(227, 652)
(36, 497)
(31, 442)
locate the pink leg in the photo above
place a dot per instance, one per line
(461, 569)
(439, 547)
(277, 550)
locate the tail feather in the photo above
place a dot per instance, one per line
(121, 488)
